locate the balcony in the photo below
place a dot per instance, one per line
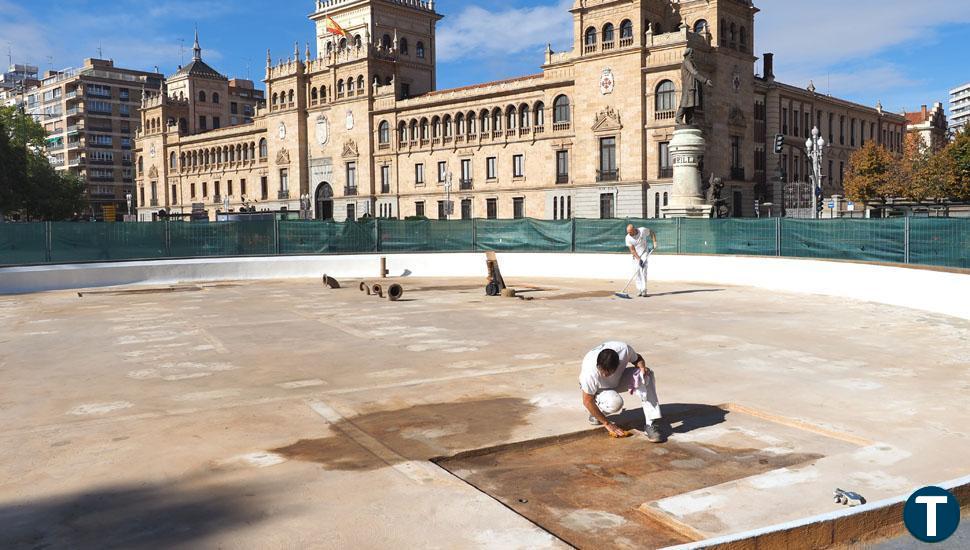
(153, 202)
(350, 191)
(665, 115)
(76, 162)
(385, 189)
(283, 194)
(624, 42)
(70, 95)
(608, 45)
(737, 173)
(562, 178)
(607, 175)
(217, 199)
(560, 126)
(666, 172)
(465, 184)
(589, 48)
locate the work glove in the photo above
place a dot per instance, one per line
(643, 263)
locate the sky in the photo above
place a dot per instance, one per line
(900, 52)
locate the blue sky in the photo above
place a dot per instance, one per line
(900, 52)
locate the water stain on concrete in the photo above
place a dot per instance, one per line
(420, 432)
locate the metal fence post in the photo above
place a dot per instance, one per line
(48, 242)
(679, 243)
(474, 234)
(906, 228)
(168, 239)
(778, 236)
(377, 234)
(276, 235)
(572, 239)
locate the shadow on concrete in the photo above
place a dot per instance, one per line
(165, 515)
(680, 292)
(681, 417)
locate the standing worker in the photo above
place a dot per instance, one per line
(606, 370)
(636, 240)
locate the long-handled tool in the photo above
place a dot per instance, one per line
(623, 293)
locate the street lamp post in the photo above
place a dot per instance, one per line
(815, 146)
(448, 196)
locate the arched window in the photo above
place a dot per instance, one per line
(734, 32)
(539, 114)
(182, 160)
(329, 48)
(471, 123)
(560, 110)
(608, 33)
(744, 36)
(357, 42)
(460, 124)
(263, 149)
(360, 84)
(626, 29)
(523, 116)
(419, 49)
(700, 26)
(665, 199)
(402, 132)
(342, 45)
(313, 94)
(172, 161)
(590, 37)
(497, 120)
(510, 116)
(483, 117)
(141, 165)
(384, 132)
(424, 129)
(666, 99)
(403, 46)
(276, 98)
(386, 42)
(323, 94)
(350, 86)
(435, 127)
(656, 205)
(201, 97)
(291, 96)
(446, 125)
(215, 97)
(414, 130)
(340, 88)
(183, 126)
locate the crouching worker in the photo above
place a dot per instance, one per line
(606, 371)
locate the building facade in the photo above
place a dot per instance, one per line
(930, 126)
(91, 115)
(960, 107)
(359, 128)
(15, 82)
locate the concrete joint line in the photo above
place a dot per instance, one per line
(414, 470)
(462, 376)
(798, 424)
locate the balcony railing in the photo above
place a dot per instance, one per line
(350, 190)
(562, 178)
(560, 126)
(628, 41)
(153, 202)
(607, 175)
(283, 194)
(666, 172)
(217, 199)
(737, 173)
(665, 115)
(465, 184)
(386, 188)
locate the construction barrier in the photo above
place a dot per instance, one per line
(916, 241)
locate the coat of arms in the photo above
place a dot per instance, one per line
(607, 82)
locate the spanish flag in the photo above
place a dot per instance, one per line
(334, 28)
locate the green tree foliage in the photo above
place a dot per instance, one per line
(29, 185)
(957, 160)
(870, 175)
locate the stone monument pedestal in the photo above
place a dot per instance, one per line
(686, 151)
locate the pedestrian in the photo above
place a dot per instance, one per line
(607, 370)
(637, 242)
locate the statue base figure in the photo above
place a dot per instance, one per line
(686, 151)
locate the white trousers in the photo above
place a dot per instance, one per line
(642, 273)
(647, 394)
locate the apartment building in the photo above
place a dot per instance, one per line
(960, 107)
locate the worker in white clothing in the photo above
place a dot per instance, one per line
(636, 241)
(606, 371)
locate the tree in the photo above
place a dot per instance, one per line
(28, 183)
(957, 160)
(912, 178)
(870, 175)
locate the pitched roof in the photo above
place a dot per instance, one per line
(200, 68)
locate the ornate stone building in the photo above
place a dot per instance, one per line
(360, 128)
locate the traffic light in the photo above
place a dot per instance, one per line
(819, 203)
(779, 143)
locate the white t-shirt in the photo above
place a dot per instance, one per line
(590, 379)
(640, 241)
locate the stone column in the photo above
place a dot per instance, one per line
(686, 150)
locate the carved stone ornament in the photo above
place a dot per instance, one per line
(350, 149)
(350, 120)
(736, 79)
(323, 130)
(283, 157)
(607, 119)
(736, 117)
(153, 172)
(282, 131)
(607, 82)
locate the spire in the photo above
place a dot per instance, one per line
(269, 59)
(296, 52)
(307, 52)
(196, 48)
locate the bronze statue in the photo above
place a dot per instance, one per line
(691, 80)
(713, 189)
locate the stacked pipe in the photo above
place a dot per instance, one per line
(393, 293)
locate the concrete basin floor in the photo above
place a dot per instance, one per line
(283, 414)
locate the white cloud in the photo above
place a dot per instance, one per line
(478, 33)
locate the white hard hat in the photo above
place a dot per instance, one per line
(609, 402)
